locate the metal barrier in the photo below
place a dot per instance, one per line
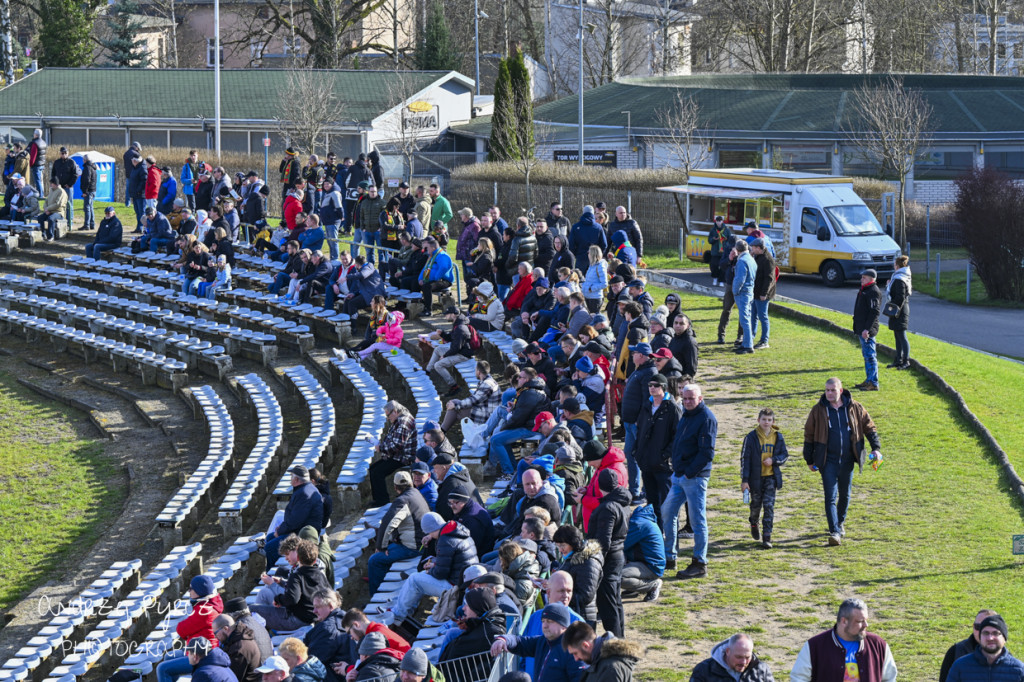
(480, 667)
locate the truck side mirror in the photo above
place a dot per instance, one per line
(823, 234)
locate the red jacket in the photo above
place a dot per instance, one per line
(292, 207)
(394, 641)
(199, 623)
(153, 182)
(518, 294)
(615, 460)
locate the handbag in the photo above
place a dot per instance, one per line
(891, 309)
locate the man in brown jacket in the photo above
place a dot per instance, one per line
(833, 442)
(239, 643)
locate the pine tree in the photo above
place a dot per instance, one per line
(522, 103)
(65, 32)
(437, 50)
(124, 46)
(503, 139)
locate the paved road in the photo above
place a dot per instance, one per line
(993, 330)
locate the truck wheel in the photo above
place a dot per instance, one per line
(832, 274)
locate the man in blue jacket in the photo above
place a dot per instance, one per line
(437, 275)
(159, 232)
(585, 233)
(743, 293)
(693, 451)
(645, 554)
(305, 508)
(108, 237)
(990, 660)
(551, 662)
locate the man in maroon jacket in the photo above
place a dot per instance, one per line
(847, 652)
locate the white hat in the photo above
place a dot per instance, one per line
(272, 664)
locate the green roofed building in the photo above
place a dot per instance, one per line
(803, 122)
(175, 107)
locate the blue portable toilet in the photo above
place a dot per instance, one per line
(104, 175)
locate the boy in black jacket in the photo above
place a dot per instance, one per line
(764, 452)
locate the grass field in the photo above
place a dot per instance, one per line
(953, 287)
(929, 533)
(57, 491)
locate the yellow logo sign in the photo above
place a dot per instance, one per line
(420, 106)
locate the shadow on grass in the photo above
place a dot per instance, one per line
(1014, 566)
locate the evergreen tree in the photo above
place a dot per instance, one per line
(124, 46)
(522, 103)
(65, 32)
(437, 50)
(503, 139)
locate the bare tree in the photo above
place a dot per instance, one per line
(308, 108)
(894, 127)
(405, 131)
(685, 136)
(7, 63)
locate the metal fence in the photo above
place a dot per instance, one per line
(925, 226)
(656, 212)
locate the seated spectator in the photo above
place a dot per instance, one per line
(293, 608)
(376, 660)
(451, 476)
(398, 536)
(221, 279)
(396, 450)
(416, 667)
(480, 268)
(328, 641)
(358, 626)
(483, 622)
(293, 265)
(540, 299)
(408, 275)
(474, 517)
(364, 282)
(518, 560)
(158, 234)
(589, 384)
(206, 605)
(437, 275)
(206, 663)
(398, 261)
(455, 349)
(478, 407)
(537, 492)
(569, 467)
(313, 236)
(645, 554)
(486, 314)
(239, 610)
(531, 399)
(273, 585)
(389, 334)
(580, 421)
(337, 284)
(304, 667)
(108, 236)
(454, 551)
(378, 318)
(551, 662)
(583, 561)
(425, 483)
(522, 288)
(434, 438)
(54, 209)
(305, 508)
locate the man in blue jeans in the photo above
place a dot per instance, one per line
(523, 412)
(833, 442)
(399, 535)
(743, 293)
(634, 399)
(764, 291)
(865, 325)
(693, 451)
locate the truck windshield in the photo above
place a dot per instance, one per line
(853, 220)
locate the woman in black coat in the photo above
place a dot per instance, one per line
(481, 269)
(899, 290)
(483, 622)
(564, 258)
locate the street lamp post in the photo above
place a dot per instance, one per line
(581, 86)
(216, 77)
(476, 41)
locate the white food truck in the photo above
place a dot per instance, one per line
(817, 223)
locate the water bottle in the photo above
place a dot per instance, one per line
(875, 460)
(746, 496)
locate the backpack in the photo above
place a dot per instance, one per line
(474, 338)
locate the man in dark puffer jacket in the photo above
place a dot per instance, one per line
(733, 660)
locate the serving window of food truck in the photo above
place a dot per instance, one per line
(737, 206)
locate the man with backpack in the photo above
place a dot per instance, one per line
(458, 346)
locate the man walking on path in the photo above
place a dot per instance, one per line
(846, 652)
(833, 442)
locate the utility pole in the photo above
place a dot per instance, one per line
(581, 85)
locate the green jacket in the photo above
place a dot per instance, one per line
(442, 210)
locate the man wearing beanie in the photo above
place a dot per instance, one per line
(415, 667)
(454, 551)
(474, 517)
(991, 660)
(655, 431)
(965, 646)
(551, 662)
(608, 525)
(484, 622)
(206, 606)
(846, 652)
(238, 609)
(865, 325)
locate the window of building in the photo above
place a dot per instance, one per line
(943, 165)
(211, 55)
(1010, 161)
(256, 51)
(293, 46)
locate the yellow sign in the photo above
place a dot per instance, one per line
(420, 106)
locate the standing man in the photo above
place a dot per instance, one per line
(440, 209)
(88, 188)
(965, 646)
(846, 652)
(37, 159)
(633, 401)
(692, 454)
(833, 442)
(557, 223)
(65, 172)
(764, 289)
(733, 659)
(743, 293)
(865, 325)
(133, 152)
(655, 433)
(717, 237)
(991, 660)
(424, 207)
(189, 175)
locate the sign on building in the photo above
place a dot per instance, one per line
(421, 117)
(608, 158)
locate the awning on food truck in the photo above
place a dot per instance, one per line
(723, 192)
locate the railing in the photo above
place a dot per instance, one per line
(480, 667)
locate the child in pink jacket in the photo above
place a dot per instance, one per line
(389, 335)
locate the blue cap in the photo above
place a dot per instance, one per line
(642, 347)
(542, 282)
(598, 319)
(557, 613)
(637, 283)
(585, 364)
(425, 453)
(430, 425)
(421, 467)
